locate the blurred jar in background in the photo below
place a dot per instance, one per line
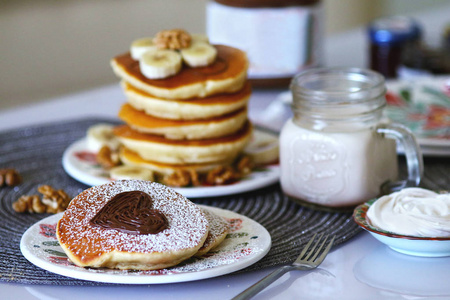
(281, 37)
(421, 60)
(389, 37)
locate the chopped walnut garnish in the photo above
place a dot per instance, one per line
(9, 177)
(221, 175)
(53, 201)
(107, 158)
(195, 178)
(172, 39)
(181, 178)
(244, 166)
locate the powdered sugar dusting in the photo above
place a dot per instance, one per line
(187, 224)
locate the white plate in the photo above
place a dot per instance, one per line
(246, 243)
(80, 164)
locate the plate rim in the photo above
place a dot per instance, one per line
(97, 276)
(272, 176)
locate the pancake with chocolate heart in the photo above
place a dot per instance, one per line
(192, 109)
(184, 129)
(226, 75)
(159, 149)
(131, 224)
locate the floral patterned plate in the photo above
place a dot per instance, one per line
(246, 243)
(422, 105)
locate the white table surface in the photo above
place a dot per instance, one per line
(361, 268)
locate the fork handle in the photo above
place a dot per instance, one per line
(263, 283)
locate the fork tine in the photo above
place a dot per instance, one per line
(320, 247)
(311, 252)
(306, 248)
(325, 252)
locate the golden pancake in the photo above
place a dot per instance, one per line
(184, 129)
(226, 75)
(130, 158)
(157, 148)
(131, 224)
(196, 108)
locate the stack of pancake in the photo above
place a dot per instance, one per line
(195, 119)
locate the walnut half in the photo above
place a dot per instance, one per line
(9, 177)
(181, 178)
(53, 201)
(174, 39)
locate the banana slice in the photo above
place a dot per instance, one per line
(262, 148)
(198, 37)
(140, 46)
(158, 64)
(100, 135)
(199, 54)
(131, 172)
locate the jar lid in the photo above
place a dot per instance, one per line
(394, 30)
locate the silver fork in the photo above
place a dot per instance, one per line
(307, 260)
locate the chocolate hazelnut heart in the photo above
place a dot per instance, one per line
(131, 212)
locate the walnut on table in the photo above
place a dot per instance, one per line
(9, 177)
(53, 201)
(31, 204)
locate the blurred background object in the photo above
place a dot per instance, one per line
(281, 38)
(49, 48)
(390, 38)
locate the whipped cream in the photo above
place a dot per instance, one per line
(412, 211)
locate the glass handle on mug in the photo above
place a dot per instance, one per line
(414, 160)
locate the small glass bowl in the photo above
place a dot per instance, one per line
(412, 245)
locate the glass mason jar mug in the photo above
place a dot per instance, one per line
(336, 151)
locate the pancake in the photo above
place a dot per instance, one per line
(218, 230)
(226, 75)
(183, 129)
(159, 149)
(196, 108)
(109, 226)
(131, 158)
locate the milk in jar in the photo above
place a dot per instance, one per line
(336, 151)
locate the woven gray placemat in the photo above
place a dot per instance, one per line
(36, 153)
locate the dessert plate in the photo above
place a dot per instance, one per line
(246, 243)
(81, 164)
